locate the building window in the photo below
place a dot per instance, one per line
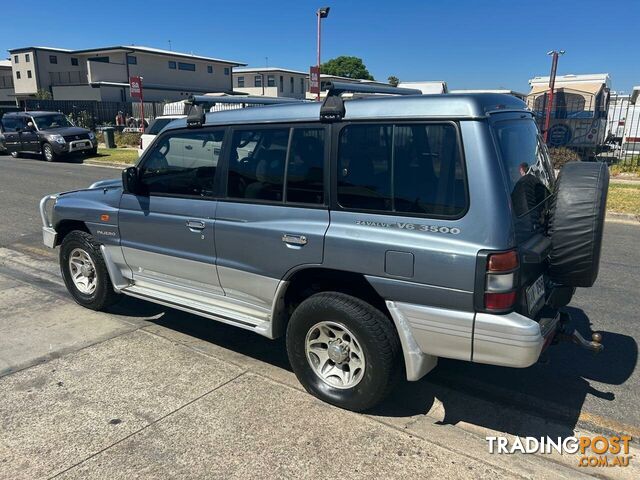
(241, 82)
(302, 85)
(291, 84)
(172, 65)
(74, 61)
(189, 67)
(281, 83)
(132, 60)
(53, 59)
(226, 70)
(16, 59)
(271, 81)
(27, 58)
(257, 81)
(100, 59)
(28, 73)
(209, 69)
(17, 75)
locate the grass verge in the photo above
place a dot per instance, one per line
(624, 197)
(126, 156)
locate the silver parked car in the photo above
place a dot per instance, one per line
(377, 234)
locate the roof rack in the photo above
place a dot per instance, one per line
(196, 114)
(333, 106)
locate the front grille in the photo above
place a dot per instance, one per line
(72, 138)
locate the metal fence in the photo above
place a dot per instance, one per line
(94, 114)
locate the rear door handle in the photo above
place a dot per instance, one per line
(195, 225)
(293, 239)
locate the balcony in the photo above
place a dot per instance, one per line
(68, 78)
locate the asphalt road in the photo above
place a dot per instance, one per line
(571, 386)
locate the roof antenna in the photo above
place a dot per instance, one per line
(169, 45)
(266, 59)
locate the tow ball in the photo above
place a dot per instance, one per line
(567, 333)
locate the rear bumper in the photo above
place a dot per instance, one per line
(510, 340)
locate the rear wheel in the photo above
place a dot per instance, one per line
(47, 152)
(343, 350)
(84, 271)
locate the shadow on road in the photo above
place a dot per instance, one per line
(553, 389)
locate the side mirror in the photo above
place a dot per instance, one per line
(131, 181)
(31, 126)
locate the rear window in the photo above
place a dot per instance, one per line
(157, 125)
(402, 168)
(527, 164)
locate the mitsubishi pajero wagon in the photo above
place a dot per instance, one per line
(376, 234)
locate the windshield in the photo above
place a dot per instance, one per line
(157, 125)
(529, 171)
(47, 122)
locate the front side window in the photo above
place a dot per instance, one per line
(403, 168)
(183, 164)
(47, 122)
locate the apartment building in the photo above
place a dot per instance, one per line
(6, 82)
(103, 73)
(270, 82)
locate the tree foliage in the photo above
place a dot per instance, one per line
(345, 66)
(43, 95)
(393, 80)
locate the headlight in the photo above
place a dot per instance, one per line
(91, 136)
(57, 138)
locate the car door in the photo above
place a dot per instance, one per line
(10, 126)
(29, 136)
(167, 234)
(274, 216)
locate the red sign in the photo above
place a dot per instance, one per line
(314, 80)
(135, 87)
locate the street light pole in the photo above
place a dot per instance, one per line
(552, 82)
(320, 13)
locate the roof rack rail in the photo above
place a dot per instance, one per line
(333, 106)
(196, 114)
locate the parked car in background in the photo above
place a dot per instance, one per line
(376, 234)
(49, 134)
(154, 129)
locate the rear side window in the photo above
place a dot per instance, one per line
(277, 164)
(402, 168)
(183, 164)
(11, 124)
(157, 125)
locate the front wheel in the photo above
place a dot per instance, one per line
(15, 154)
(84, 271)
(343, 350)
(47, 153)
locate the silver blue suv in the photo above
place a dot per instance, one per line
(377, 234)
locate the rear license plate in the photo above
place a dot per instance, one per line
(534, 294)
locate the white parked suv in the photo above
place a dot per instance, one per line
(154, 129)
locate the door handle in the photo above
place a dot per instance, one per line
(292, 239)
(195, 225)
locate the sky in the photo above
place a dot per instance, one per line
(469, 44)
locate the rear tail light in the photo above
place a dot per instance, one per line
(500, 281)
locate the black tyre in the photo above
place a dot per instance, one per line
(48, 153)
(84, 271)
(577, 223)
(15, 154)
(343, 350)
(91, 153)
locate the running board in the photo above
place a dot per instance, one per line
(197, 308)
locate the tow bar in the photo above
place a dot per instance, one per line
(566, 333)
